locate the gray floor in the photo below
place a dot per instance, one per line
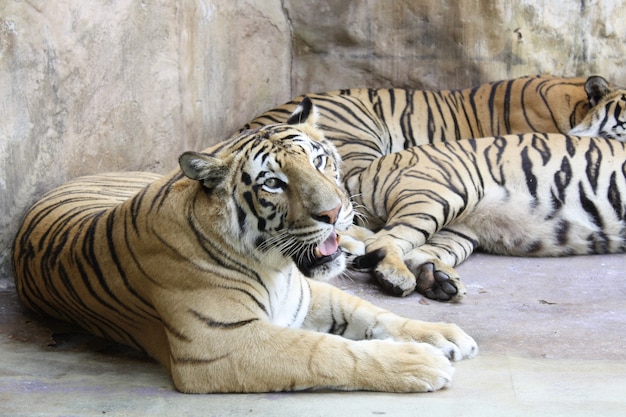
(551, 332)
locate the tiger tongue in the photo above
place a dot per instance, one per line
(329, 246)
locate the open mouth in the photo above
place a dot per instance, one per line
(319, 255)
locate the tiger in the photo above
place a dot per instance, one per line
(367, 123)
(608, 118)
(535, 194)
(219, 270)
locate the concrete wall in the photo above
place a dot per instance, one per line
(452, 44)
(102, 85)
(92, 86)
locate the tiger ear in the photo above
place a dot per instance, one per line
(208, 170)
(306, 112)
(596, 88)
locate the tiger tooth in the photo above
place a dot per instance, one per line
(338, 239)
(317, 253)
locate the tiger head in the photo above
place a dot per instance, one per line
(607, 117)
(277, 193)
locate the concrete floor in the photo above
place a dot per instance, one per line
(551, 333)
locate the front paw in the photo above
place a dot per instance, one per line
(453, 342)
(407, 367)
(437, 281)
(432, 278)
(389, 270)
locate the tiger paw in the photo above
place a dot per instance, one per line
(453, 342)
(437, 281)
(405, 367)
(388, 268)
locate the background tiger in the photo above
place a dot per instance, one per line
(365, 124)
(608, 118)
(204, 269)
(525, 195)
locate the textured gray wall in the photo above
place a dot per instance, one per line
(452, 44)
(92, 86)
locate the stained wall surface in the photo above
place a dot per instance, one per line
(96, 86)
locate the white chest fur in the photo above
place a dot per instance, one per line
(290, 297)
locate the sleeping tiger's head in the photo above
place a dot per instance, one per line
(607, 117)
(277, 188)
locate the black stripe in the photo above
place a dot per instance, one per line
(472, 102)
(593, 157)
(562, 232)
(492, 155)
(463, 236)
(615, 197)
(507, 106)
(570, 145)
(135, 207)
(137, 263)
(389, 228)
(111, 225)
(589, 206)
(161, 196)
(89, 255)
(562, 179)
(493, 93)
(531, 179)
(178, 360)
(219, 256)
(174, 332)
(453, 101)
(220, 324)
(540, 144)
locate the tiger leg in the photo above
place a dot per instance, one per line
(335, 311)
(265, 358)
(435, 278)
(404, 350)
(410, 210)
(253, 355)
(385, 253)
(430, 265)
(258, 356)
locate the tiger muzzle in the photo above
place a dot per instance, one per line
(319, 255)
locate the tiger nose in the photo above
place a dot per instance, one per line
(328, 216)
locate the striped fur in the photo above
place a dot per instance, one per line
(204, 269)
(525, 195)
(365, 124)
(608, 118)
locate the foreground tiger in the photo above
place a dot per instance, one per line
(365, 124)
(205, 268)
(522, 195)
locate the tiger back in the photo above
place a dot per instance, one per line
(208, 268)
(365, 124)
(535, 194)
